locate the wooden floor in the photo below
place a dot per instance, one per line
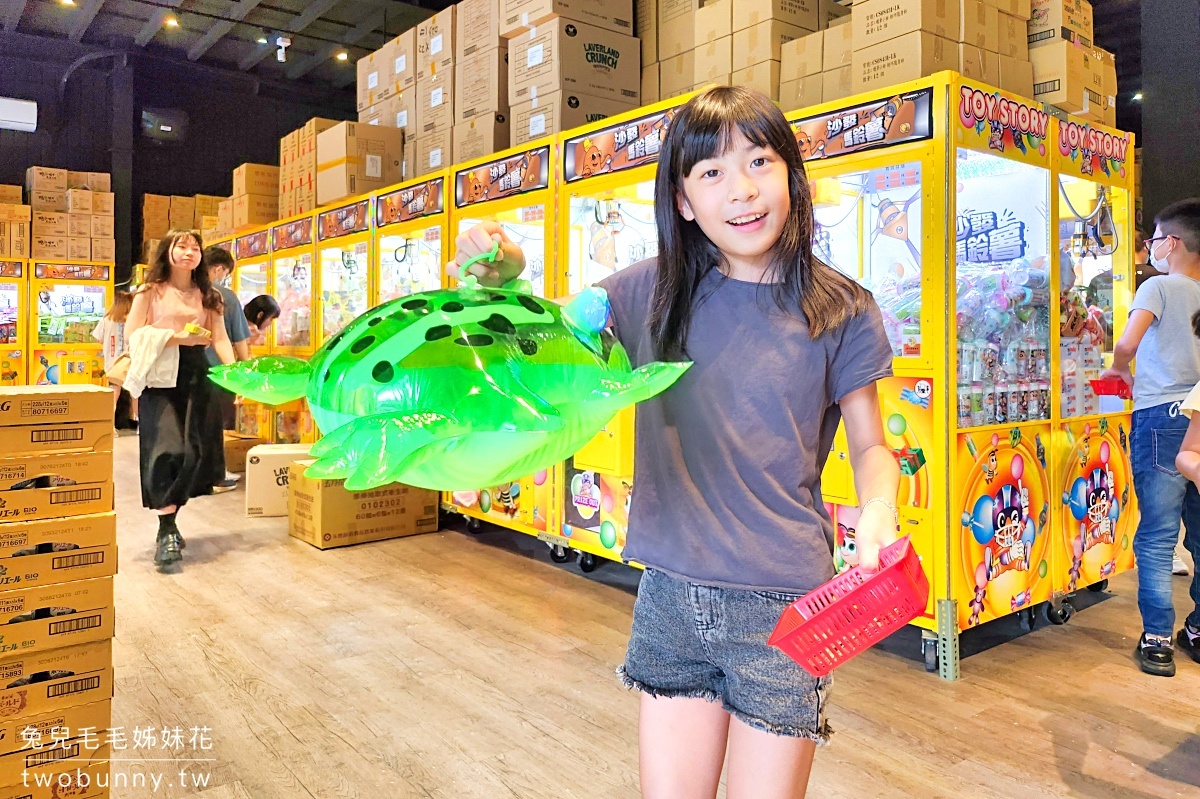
(452, 666)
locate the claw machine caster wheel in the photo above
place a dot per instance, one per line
(474, 526)
(1027, 618)
(929, 648)
(1060, 614)
(1098, 587)
(560, 554)
(587, 562)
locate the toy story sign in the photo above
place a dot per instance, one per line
(343, 221)
(292, 234)
(1092, 150)
(252, 246)
(412, 202)
(71, 271)
(895, 120)
(616, 148)
(504, 177)
(990, 121)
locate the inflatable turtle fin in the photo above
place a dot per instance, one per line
(617, 392)
(365, 451)
(271, 379)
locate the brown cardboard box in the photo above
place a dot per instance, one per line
(104, 203)
(237, 447)
(47, 773)
(104, 250)
(400, 111)
(763, 76)
(44, 178)
(209, 223)
(79, 225)
(645, 27)
(712, 60)
(206, 204)
(520, 15)
(837, 84)
(49, 247)
(183, 212)
(77, 533)
(48, 200)
(155, 205)
(254, 179)
(89, 489)
(77, 180)
(267, 477)
(480, 136)
(149, 247)
(830, 13)
(801, 57)
(575, 58)
(904, 58)
(323, 513)
(1021, 9)
(79, 249)
(79, 201)
(225, 214)
(156, 228)
(12, 212)
(650, 84)
(52, 223)
(102, 227)
(481, 84)
(1106, 71)
(801, 13)
(1013, 36)
(714, 21)
(21, 406)
(1051, 17)
(409, 167)
(404, 61)
(353, 159)
(762, 42)
(59, 678)
(90, 619)
(838, 47)
(17, 238)
(99, 181)
(677, 27)
(375, 81)
(435, 101)
(434, 152)
(719, 80)
(979, 24)
(10, 195)
(43, 761)
(877, 21)
(800, 93)
(477, 28)
(676, 75)
(435, 43)
(559, 111)
(1062, 75)
(254, 209)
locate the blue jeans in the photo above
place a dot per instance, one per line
(1164, 496)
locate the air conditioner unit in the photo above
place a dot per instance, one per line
(18, 114)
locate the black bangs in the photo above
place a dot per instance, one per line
(711, 118)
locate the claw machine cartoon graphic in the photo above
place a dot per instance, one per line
(343, 266)
(14, 322)
(67, 301)
(252, 278)
(516, 189)
(292, 261)
(410, 238)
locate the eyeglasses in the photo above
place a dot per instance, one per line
(1156, 239)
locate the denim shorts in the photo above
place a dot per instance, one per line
(706, 642)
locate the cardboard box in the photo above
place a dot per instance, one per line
(48, 200)
(104, 203)
(801, 57)
(10, 195)
(1062, 75)
(837, 47)
(374, 77)
(66, 484)
(519, 16)
(225, 214)
(49, 247)
(877, 21)
(712, 60)
(477, 28)
(323, 513)
(400, 111)
(762, 42)
(158, 228)
(1052, 19)
(14, 239)
(79, 249)
(21, 406)
(14, 212)
(719, 80)
(104, 250)
(82, 744)
(677, 27)
(480, 136)
(20, 473)
(677, 75)
(800, 93)
(435, 102)
(354, 159)
(102, 227)
(560, 111)
(1013, 36)
(44, 178)
(763, 76)
(645, 27)
(650, 84)
(254, 209)
(57, 679)
(435, 43)
(57, 550)
(801, 13)
(267, 477)
(76, 180)
(830, 13)
(481, 84)
(100, 181)
(237, 447)
(905, 58)
(404, 61)
(575, 58)
(979, 24)
(254, 179)
(714, 21)
(79, 225)
(409, 167)
(79, 201)
(46, 784)
(90, 616)
(980, 65)
(1021, 9)
(53, 223)
(434, 152)
(837, 84)
(155, 205)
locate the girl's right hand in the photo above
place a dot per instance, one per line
(509, 263)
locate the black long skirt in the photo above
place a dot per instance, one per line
(178, 445)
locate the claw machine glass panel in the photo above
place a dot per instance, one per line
(67, 301)
(515, 189)
(410, 231)
(344, 266)
(292, 259)
(252, 277)
(14, 293)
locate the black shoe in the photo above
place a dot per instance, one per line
(1186, 644)
(167, 549)
(223, 486)
(1155, 655)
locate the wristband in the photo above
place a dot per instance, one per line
(890, 505)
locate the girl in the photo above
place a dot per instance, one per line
(173, 460)
(111, 335)
(260, 313)
(727, 517)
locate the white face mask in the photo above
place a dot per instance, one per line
(1160, 263)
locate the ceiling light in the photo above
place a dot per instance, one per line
(343, 56)
(67, 2)
(263, 38)
(1137, 98)
(171, 22)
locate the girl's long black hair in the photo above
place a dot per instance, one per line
(160, 268)
(800, 283)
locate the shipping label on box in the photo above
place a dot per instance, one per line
(802, 57)
(102, 227)
(714, 21)
(43, 682)
(558, 112)
(80, 611)
(42, 178)
(79, 249)
(104, 250)
(645, 27)
(979, 25)
(481, 85)
(763, 77)
(877, 21)
(802, 93)
(801, 13)
(53, 223)
(576, 58)
(254, 179)
(404, 61)
(477, 27)
(905, 58)
(433, 152)
(713, 60)
(48, 201)
(480, 136)
(837, 47)
(677, 27)
(435, 102)
(79, 201)
(520, 16)
(103, 203)
(435, 43)
(267, 477)
(762, 42)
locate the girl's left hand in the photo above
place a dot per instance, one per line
(876, 529)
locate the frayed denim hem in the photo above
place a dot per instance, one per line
(820, 736)
(666, 693)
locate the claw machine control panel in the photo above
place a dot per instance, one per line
(410, 239)
(343, 266)
(515, 189)
(14, 322)
(292, 261)
(67, 302)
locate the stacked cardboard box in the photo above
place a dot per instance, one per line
(431, 142)
(72, 214)
(353, 158)
(14, 225)
(57, 551)
(255, 199)
(387, 86)
(1069, 71)
(156, 209)
(481, 110)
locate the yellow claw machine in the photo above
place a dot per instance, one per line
(67, 300)
(14, 322)
(251, 278)
(516, 189)
(410, 238)
(606, 223)
(972, 414)
(343, 266)
(293, 256)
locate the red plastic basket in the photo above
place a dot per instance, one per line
(1112, 387)
(854, 611)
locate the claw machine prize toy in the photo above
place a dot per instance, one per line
(513, 188)
(343, 266)
(606, 223)
(14, 321)
(292, 257)
(410, 231)
(251, 278)
(67, 301)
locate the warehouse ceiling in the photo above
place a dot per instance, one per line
(229, 33)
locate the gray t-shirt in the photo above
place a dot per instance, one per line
(235, 323)
(1168, 359)
(728, 460)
